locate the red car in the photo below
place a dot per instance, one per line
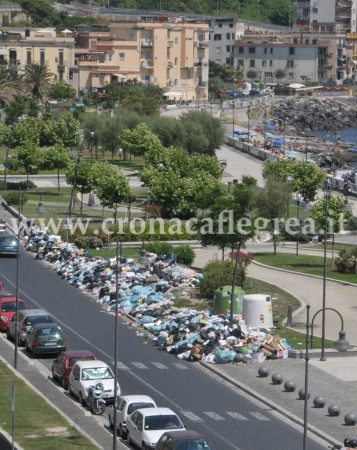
(62, 365)
(8, 309)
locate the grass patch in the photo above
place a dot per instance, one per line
(110, 252)
(312, 265)
(36, 421)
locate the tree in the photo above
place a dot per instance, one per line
(41, 12)
(67, 130)
(306, 178)
(30, 157)
(139, 140)
(84, 178)
(27, 132)
(252, 74)
(109, 136)
(11, 86)
(272, 204)
(111, 187)
(56, 157)
(38, 78)
(279, 74)
(61, 90)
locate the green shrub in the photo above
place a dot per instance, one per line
(161, 248)
(13, 198)
(16, 185)
(185, 254)
(13, 163)
(88, 242)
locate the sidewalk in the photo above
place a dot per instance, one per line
(334, 379)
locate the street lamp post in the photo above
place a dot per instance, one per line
(288, 182)
(248, 115)
(40, 210)
(341, 345)
(116, 323)
(71, 202)
(337, 138)
(298, 201)
(91, 139)
(7, 155)
(306, 136)
(120, 151)
(234, 107)
(326, 190)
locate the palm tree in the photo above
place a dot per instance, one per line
(11, 85)
(38, 78)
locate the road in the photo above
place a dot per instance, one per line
(206, 403)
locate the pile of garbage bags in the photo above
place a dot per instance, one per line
(147, 288)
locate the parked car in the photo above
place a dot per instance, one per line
(146, 426)
(127, 404)
(63, 364)
(45, 338)
(8, 244)
(348, 81)
(25, 320)
(8, 309)
(4, 294)
(2, 225)
(182, 440)
(254, 92)
(85, 373)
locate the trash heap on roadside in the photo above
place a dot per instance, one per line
(147, 288)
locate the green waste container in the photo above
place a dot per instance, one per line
(222, 300)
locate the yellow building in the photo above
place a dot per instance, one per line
(172, 55)
(20, 47)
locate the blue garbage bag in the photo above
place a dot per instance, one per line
(224, 356)
(147, 319)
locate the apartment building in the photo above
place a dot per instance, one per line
(303, 57)
(171, 54)
(327, 16)
(20, 47)
(223, 34)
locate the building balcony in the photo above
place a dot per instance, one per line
(146, 43)
(170, 43)
(146, 64)
(169, 65)
(200, 63)
(203, 44)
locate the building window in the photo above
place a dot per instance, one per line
(201, 37)
(228, 61)
(218, 50)
(28, 57)
(93, 45)
(271, 50)
(42, 58)
(264, 63)
(176, 40)
(271, 63)
(233, 36)
(110, 57)
(231, 25)
(121, 56)
(219, 25)
(132, 36)
(175, 82)
(60, 57)
(265, 50)
(241, 50)
(291, 75)
(217, 37)
(251, 50)
(228, 48)
(268, 74)
(252, 63)
(228, 36)
(290, 63)
(241, 62)
(176, 61)
(291, 50)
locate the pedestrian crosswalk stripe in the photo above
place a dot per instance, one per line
(191, 416)
(159, 365)
(259, 416)
(122, 366)
(213, 415)
(139, 365)
(236, 415)
(180, 366)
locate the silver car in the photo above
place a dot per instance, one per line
(25, 320)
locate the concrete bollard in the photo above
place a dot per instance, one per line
(350, 419)
(319, 402)
(277, 378)
(302, 394)
(334, 410)
(263, 372)
(289, 386)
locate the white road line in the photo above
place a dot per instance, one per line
(213, 415)
(180, 366)
(139, 365)
(236, 415)
(160, 365)
(191, 416)
(122, 366)
(259, 416)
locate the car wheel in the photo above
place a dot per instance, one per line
(20, 342)
(144, 446)
(53, 375)
(27, 347)
(8, 334)
(70, 392)
(128, 438)
(81, 399)
(63, 383)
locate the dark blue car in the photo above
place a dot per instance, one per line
(8, 244)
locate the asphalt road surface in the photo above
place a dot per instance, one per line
(228, 419)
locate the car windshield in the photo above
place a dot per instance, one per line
(11, 306)
(134, 406)
(72, 361)
(44, 332)
(8, 241)
(38, 319)
(97, 373)
(164, 422)
(191, 444)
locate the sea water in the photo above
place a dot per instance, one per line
(346, 135)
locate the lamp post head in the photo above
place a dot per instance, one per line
(289, 180)
(342, 344)
(40, 209)
(161, 166)
(92, 134)
(298, 198)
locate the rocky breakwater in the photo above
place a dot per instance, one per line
(317, 114)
